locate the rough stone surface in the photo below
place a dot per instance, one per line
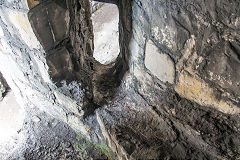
(95, 5)
(24, 64)
(187, 119)
(138, 114)
(24, 67)
(159, 64)
(3, 86)
(68, 42)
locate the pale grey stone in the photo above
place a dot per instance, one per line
(159, 64)
(36, 119)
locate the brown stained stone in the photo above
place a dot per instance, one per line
(32, 3)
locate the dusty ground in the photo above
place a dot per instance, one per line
(106, 35)
(38, 135)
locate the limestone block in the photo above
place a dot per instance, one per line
(159, 64)
(59, 62)
(50, 23)
(195, 89)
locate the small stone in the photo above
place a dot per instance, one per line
(66, 144)
(54, 123)
(36, 119)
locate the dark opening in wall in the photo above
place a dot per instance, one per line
(106, 34)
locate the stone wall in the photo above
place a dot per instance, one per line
(24, 66)
(95, 5)
(200, 44)
(181, 93)
(173, 92)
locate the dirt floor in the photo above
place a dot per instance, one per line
(33, 134)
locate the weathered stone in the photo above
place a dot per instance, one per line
(3, 86)
(60, 64)
(194, 116)
(189, 33)
(159, 64)
(95, 5)
(32, 3)
(46, 15)
(36, 119)
(224, 67)
(195, 89)
(23, 57)
(58, 25)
